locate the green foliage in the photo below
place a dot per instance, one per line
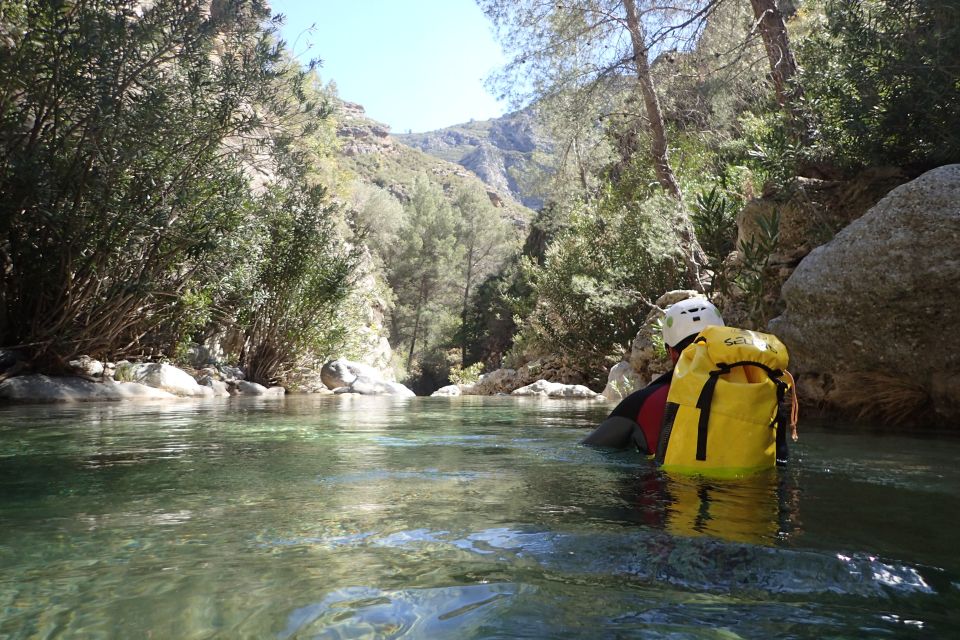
(882, 80)
(465, 375)
(595, 287)
(131, 132)
(116, 190)
(755, 278)
(422, 271)
(493, 311)
(714, 220)
(291, 313)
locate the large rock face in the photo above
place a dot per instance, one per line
(884, 295)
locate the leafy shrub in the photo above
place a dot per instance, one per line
(303, 276)
(882, 80)
(120, 196)
(599, 277)
(754, 277)
(715, 223)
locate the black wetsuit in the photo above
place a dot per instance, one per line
(635, 421)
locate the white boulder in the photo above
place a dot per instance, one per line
(449, 391)
(547, 389)
(219, 387)
(373, 387)
(41, 388)
(163, 376)
(342, 373)
(621, 382)
(87, 366)
(247, 388)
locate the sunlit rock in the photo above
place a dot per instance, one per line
(879, 302)
(87, 366)
(621, 382)
(247, 388)
(342, 373)
(451, 390)
(546, 389)
(41, 388)
(497, 381)
(219, 387)
(373, 387)
(163, 376)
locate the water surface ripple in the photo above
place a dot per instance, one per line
(354, 517)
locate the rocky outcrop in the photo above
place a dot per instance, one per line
(881, 298)
(345, 376)
(359, 135)
(622, 380)
(505, 381)
(41, 388)
(163, 376)
(546, 389)
(811, 211)
(499, 151)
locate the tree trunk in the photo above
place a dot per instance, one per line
(659, 150)
(783, 66)
(463, 312)
(693, 255)
(416, 322)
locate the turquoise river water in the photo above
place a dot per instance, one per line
(360, 517)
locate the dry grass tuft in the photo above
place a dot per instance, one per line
(880, 397)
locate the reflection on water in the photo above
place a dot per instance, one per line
(351, 517)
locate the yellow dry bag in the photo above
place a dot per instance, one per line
(722, 417)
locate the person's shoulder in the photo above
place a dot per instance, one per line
(630, 405)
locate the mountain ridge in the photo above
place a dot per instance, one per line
(504, 152)
(377, 156)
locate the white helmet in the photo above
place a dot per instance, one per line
(687, 318)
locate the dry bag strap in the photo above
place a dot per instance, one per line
(706, 398)
(794, 405)
(703, 403)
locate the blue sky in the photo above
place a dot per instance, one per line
(413, 64)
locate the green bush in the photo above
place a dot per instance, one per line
(882, 80)
(119, 198)
(599, 278)
(291, 312)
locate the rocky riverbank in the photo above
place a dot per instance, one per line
(93, 381)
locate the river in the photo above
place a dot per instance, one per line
(365, 517)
